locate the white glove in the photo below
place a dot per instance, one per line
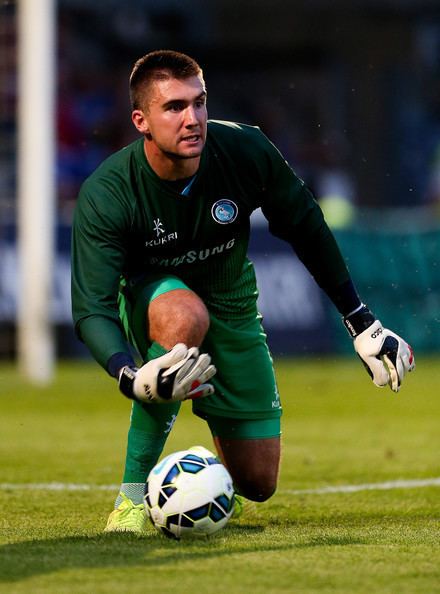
(180, 374)
(386, 356)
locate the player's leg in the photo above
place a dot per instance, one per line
(150, 426)
(252, 463)
(244, 413)
(177, 316)
(156, 315)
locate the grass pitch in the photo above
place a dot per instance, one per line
(338, 430)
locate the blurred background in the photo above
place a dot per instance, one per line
(349, 91)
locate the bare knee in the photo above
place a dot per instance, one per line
(177, 316)
(256, 488)
(253, 465)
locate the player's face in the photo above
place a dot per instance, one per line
(174, 120)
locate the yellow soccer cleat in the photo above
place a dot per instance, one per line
(127, 517)
(243, 506)
(238, 507)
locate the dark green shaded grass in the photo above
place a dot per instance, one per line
(337, 430)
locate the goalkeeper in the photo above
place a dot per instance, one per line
(159, 268)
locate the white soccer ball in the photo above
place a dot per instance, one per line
(189, 493)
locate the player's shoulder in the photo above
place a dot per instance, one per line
(243, 143)
(115, 168)
(106, 192)
(233, 132)
(110, 183)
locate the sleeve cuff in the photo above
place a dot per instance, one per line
(117, 361)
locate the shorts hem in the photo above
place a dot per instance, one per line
(239, 415)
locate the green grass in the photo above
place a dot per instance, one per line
(337, 430)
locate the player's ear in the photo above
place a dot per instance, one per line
(139, 121)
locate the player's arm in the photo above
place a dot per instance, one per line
(385, 355)
(97, 259)
(295, 216)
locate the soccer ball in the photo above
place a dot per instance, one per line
(189, 493)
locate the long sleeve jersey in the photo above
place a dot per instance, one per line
(130, 224)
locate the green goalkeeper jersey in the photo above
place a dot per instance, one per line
(130, 224)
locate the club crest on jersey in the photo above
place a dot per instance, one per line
(224, 211)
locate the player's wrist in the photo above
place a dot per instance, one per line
(358, 320)
(126, 377)
(117, 361)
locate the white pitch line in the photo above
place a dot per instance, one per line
(387, 486)
(56, 487)
(398, 484)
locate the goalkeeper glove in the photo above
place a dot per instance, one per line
(386, 356)
(180, 374)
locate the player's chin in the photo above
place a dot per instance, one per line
(192, 146)
(190, 152)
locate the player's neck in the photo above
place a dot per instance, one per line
(168, 167)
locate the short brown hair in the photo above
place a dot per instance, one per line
(159, 65)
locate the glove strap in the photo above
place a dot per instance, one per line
(126, 381)
(358, 321)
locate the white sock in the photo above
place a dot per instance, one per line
(134, 491)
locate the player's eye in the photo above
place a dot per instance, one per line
(175, 107)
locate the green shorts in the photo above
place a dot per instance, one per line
(246, 402)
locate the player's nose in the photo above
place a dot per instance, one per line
(190, 116)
